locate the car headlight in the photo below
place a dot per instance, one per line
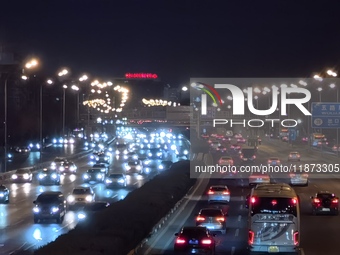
(9, 155)
(86, 176)
(121, 180)
(185, 152)
(88, 198)
(128, 167)
(86, 144)
(108, 181)
(31, 145)
(14, 176)
(138, 167)
(53, 164)
(54, 176)
(147, 170)
(70, 199)
(125, 152)
(2, 194)
(161, 167)
(71, 140)
(150, 154)
(125, 156)
(41, 176)
(99, 176)
(117, 152)
(81, 215)
(26, 176)
(54, 141)
(38, 146)
(91, 157)
(36, 209)
(61, 168)
(54, 209)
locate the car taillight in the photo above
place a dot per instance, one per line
(231, 161)
(220, 218)
(305, 175)
(226, 193)
(206, 241)
(316, 200)
(292, 175)
(250, 237)
(252, 200)
(298, 156)
(296, 238)
(294, 201)
(241, 156)
(180, 240)
(210, 192)
(278, 161)
(199, 218)
(335, 201)
(269, 161)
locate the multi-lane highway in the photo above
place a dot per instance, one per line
(18, 233)
(318, 233)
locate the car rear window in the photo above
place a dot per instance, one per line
(81, 191)
(325, 196)
(194, 232)
(211, 213)
(218, 188)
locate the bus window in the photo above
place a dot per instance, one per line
(268, 205)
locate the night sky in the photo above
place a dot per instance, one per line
(176, 39)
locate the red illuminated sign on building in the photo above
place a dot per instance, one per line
(141, 76)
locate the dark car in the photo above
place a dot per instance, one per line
(49, 205)
(67, 168)
(22, 175)
(22, 150)
(49, 177)
(90, 209)
(195, 240)
(213, 219)
(4, 194)
(104, 168)
(94, 175)
(165, 165)
(116, 180)
(325, 202)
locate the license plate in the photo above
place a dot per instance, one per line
(193, 242)
(259, 179)
(210, 227)
(273, 249)
(326, 209)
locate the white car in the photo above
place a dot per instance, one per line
(298, 178)
(219, 194)
(22, 175)
(258, 178)
(135, 166)
(294, 156)
(274, 161)
(81, 195)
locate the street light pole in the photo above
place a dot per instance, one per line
(41, 123)
(78, 108)
(64, 105)
(5, 157)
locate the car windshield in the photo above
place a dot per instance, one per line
(133, 163)
(116, 176)
(226, 158)
(47, 199)
(22, 171)
(211, 212)
(194, 232)
(155, 150)
(121, 146)
(98, 165)
(93, 171)
(81, 191)
(218, 188)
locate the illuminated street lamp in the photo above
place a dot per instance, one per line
(76, 88)
(64, 99)
(319, 89)
(184, 88)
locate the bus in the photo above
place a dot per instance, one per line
(273, 219)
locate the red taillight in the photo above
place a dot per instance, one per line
(269, 161)
(210, 192)
(335, 201)
(250, 237)
(278, 161)
(226, 193)
(231, 162)
(294, 201)
(254, 156)
(296, 238)
(199, 218)
(252, 200)
(180, 240)
(220, 218)
(206, 241)
(241, 156)
(292, 175)
(316, 200)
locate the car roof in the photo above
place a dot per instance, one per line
(218, 187)
(324, 192)
(294, 152)
(201, 229)
(211, 209)
(274, 158)
(49, 193)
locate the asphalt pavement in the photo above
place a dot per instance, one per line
(318, 233)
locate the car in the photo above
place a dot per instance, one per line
(67, 168)
(104, 168)
(198, 240)
(131, 156)
(218, 193)
(258, 178)
(49, 205)
(155, 153)
(4, 194)
(89, 209)
(336, 148)
(273, 161)
(165, 165)
(94, 175)
(325, 202)
(235, 147)
(57, 162)
(226, 161)
(22, 150)
(116, 180)
(294, 156)
(81, 195)
(102, 158)
(241, 140)
(49, 177)
(22, 175)
(298, 178)
(135, 166)
(213, 219)
(215, 145)
(221, 149)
